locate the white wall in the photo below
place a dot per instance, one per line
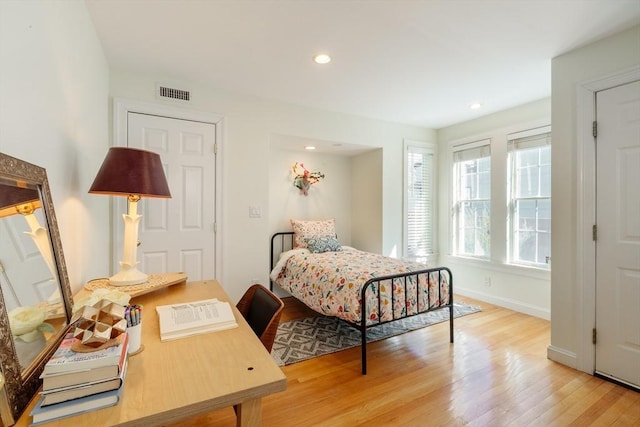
(598, 60)
(249, 125)
(329, 198)
(54, 113)
(518, 288)
(367, 201)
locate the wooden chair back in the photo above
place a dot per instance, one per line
(261, 308)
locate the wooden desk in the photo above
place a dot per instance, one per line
(173, 380)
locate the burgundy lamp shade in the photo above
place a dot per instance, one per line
(130, 171)
(12, 198)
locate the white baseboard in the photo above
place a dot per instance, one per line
(562, 356)
(514, 305)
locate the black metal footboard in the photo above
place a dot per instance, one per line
(439, 274)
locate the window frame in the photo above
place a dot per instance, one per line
(432, 149)
(534, 138)
(457, 200)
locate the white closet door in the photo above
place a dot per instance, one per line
(618, 242)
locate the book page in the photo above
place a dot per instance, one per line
(199, 316)
(196, 312)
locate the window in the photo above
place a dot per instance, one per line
(529, 220)
(472, 199)
(419, 206)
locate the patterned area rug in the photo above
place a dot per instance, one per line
(303, 339)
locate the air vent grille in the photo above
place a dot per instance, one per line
(167, 92)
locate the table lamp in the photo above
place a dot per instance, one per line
(24, 201)
(132, 173)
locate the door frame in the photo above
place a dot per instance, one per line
(121, 108)
(586, 206)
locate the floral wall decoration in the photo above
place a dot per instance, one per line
(303, 179)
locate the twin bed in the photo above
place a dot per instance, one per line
(360, 288)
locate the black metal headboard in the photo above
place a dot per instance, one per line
(280, 242)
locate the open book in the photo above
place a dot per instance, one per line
(193, 318)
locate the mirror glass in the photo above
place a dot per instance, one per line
(28, 276)
(34, 287)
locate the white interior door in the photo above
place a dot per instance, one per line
(618, 237)
(25, 277)
(177, 234)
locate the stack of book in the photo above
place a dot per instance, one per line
(73, 383)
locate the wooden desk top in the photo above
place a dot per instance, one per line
(173, 380)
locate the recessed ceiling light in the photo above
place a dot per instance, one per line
(309, 147)
(475, 105)
(321, 58)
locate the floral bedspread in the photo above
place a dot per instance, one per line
(331, 283)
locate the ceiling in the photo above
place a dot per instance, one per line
(415, 62)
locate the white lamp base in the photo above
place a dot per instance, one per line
(128, 276)
(129, 273)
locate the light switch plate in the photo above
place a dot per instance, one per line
(255, 212)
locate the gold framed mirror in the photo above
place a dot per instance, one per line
(35, 296)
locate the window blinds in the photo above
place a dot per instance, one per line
(420, 201)
(534, 141)
(472, 151)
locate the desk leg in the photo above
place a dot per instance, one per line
(249, 413)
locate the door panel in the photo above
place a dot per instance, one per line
(23, 269)
(618, 242)
(177, 234)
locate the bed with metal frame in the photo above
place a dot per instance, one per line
(284, 241)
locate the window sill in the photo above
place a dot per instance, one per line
(487, 264)
(429, 260)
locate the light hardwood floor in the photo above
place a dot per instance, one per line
(495, 374)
